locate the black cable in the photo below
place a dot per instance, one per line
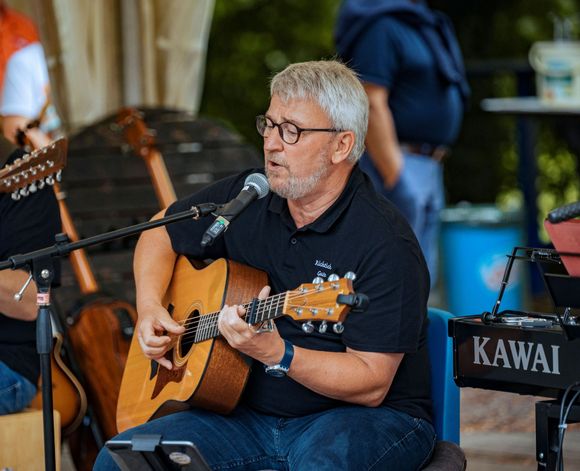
(562, 423)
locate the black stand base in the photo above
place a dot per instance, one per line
(547, 436)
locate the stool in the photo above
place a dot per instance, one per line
(448, 456)
(21, 440)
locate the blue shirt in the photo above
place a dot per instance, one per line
(393, 54)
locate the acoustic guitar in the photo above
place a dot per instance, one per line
(207, 372)
(69, 397)
(99, 332)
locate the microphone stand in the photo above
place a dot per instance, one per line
(40, 263)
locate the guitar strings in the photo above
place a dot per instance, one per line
(192, 324)
(264, 305)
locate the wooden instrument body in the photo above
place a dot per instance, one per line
(101, 343)
(211, 374)
(69, 397)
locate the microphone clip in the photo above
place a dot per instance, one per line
(206, 209)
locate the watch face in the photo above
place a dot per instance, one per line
(277, 372)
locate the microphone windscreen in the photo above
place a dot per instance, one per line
(259, 182)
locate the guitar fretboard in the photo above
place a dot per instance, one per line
(257, 311)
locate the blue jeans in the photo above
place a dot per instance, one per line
(16, 392)
(345, 438)
(419, 196)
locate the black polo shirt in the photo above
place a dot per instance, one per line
(25, 225)
(361, 232)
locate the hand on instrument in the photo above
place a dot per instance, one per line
(267, 347)
(156, 332)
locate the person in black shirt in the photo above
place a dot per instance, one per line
(25, 225)
(356, 400)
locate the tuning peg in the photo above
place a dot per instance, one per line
(333, 277)
(338, 328)
(32, 187)
(40, 184)
(16, 195)
(49, 180)
(318, 280)
(59, 175)
(308, 327)
(323, 326)
(24, 191)
(350, 276)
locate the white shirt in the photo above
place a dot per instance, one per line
(26, 86)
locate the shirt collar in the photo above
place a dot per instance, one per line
(326, 220)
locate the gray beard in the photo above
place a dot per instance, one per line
(296, 188)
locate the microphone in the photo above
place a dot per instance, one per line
(255, 187)
(563, 213)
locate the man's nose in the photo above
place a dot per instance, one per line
(273, 141)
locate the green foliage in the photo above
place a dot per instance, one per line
(250, 41)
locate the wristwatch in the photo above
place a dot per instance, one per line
(281, 369)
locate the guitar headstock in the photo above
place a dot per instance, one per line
(319, 301)
(32, 171)
(137, 135)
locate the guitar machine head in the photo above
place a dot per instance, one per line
(33, 171)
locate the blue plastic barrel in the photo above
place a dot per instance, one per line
(475, 243)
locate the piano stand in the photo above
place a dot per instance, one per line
(547, 442)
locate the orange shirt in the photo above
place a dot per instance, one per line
(16, 32)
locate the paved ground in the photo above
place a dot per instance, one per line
(498, 432)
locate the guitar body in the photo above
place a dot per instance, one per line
(100, 338)
(69, 397)
(209, 374)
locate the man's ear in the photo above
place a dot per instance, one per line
(343, 146)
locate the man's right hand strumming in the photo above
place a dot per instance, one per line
(156, 332)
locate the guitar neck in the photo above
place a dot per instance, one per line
(160, 178)
(78, 258)
(257, 311)
(142, 140)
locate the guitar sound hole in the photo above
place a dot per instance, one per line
(188, 339)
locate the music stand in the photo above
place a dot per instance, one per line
(151, 453)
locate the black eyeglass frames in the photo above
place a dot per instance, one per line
(289, 132)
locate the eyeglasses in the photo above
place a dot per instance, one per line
(289, 132)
